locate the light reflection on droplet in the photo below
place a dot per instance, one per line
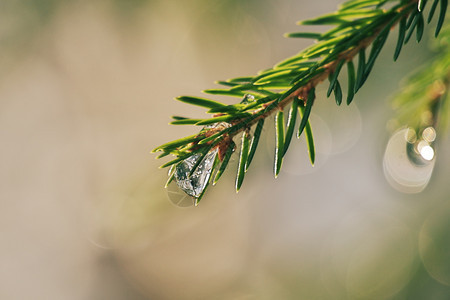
(404, 169)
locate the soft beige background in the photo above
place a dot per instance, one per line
(86, 92)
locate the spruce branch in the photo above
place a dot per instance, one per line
(361, 28)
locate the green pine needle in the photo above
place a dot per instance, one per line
(243, 157)
(292, 118)
(309, 137)
(279, 147)
(401, 38)
(338, 93)
(255, 141)
(444, 5)
(351, 82)
(225, 162)
(334, 76)
(308, 107)
(200, 101)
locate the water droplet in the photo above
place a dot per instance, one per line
(248, 98)
(408, 163)
(194, 184)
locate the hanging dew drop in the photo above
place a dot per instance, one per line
(191, 182)
(182, 177)
(194, 184)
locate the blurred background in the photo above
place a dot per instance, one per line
(86, 91)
